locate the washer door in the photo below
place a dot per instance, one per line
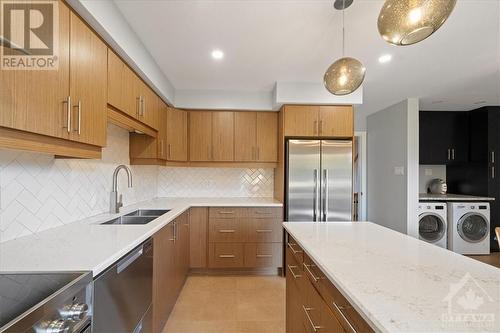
(431, 227)
(473, 227)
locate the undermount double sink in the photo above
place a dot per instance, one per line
(140, 216)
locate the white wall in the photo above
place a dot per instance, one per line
(429, 172)
(392, 184)
(39, 192)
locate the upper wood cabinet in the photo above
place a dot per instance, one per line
(121, 85)
(147, 105)
(256, 136)
(223, 136)
(88, 84)
(211, 136)
(200, 136)
(177, 135)
(162, 129)
(318, 121)
(34, 100)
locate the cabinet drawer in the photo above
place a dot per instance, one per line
(295, 249)
(263, 254)
(227, 212)
(227, 230)
(264, 230)
(225, 255)
(262, 212)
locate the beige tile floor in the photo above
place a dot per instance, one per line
(236, 304)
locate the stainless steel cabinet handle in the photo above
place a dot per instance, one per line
(79, 108)
(313, 326)
(353, 330)
(492, 172)
(263, 230)
(124, 263)
(68, 114)
(264, 256)
(227, 231)
(449, 154)
(138, 106)
(320, 130)
(168, 151)
(325, 195)
(227, 256)
(162, 152)
(315, 278)
(143, 106)
(492, 156)
(290, 245)
(315, 195)
(174, 238)
(291, 268)
(453, 153)
(226, 212)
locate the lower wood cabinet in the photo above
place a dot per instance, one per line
(312, 302)
(170, 268)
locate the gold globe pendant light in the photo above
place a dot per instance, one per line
(346, 74)
(406, 22)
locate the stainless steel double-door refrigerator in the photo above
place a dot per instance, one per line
(318, 180)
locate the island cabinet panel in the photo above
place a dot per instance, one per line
(310, 292)
(170, 267)
(245, 237)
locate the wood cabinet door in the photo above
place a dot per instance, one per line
(34, 100)
(181, 251)
(198, 237)
(200, 136)
(177, 135)
(130, 88)
(336, 121)
(267, 136)
(223, 136)
(162, 129)
(164, 294)
(88, 84)
(149, 107)
(116, 73)
(245, 131)
(301, 120)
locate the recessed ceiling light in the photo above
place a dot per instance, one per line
(385, 58)
(217, 54)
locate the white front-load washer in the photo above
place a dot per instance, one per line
(469, 227)
(432, 223)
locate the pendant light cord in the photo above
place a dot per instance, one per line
(343, 28)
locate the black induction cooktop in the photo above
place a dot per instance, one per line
(24, 291)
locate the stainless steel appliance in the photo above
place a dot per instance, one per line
(123, 294)
(46, 302)
(319, 180)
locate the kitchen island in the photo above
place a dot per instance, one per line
(370, 278)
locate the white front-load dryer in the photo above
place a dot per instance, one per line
(469, 227)
(432, 223)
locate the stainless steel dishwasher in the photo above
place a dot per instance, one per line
(123, 294)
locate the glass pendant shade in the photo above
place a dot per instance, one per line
(344, 76)
(406, 22)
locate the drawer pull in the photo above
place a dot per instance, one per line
(295, 276)
(264, 256)
(263, 212)
(307, 267)
(290, 245)
(263, 230)
(227, 256)
(353, 330)
(314, 326)
(227, 231)
(226, 212)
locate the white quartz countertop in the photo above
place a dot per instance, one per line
(452, 197)
(399, 283)
(88, 246)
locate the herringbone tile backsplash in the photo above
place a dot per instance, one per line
(39, 192)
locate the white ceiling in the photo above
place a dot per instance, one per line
(266, 41)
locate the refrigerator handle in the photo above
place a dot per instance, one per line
(325, 195)
(315, 195)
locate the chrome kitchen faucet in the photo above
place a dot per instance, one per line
(116, 203)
